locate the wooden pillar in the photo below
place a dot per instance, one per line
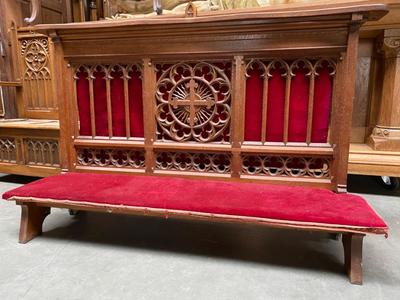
(386, 133)
(343, 98)
(32, 218)
(352, 244)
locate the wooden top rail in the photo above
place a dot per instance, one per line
(371, 11)
(11, 83)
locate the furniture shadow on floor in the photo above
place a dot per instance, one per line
(368, 185)
(254, 244)
(10, 178)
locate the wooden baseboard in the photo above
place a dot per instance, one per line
(364, 160)
(28, 170)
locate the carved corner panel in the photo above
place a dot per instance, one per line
(38, 93)
(194, 102)
(194, 162)
(111, 158)
(265, 165)
(8, 150)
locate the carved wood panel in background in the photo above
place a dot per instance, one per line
(8, 150)
(30, 151)
(42, 152)
(38, 91)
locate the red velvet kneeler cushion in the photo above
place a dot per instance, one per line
(274, 202)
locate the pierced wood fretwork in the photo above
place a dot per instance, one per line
(287, 69)
(42, 152)
(193, 102)
(271, 165)
(8, 150)
(197, 162)
(113, 158)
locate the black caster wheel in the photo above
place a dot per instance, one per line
(389, 183)
(73, 212)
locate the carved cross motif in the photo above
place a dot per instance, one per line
(192, 101)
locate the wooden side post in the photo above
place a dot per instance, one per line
(32, 218)
(352, 244)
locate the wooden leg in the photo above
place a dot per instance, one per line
(32, 218)
(352, 244)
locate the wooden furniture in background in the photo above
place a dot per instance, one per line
(29, 131)
(29, 147)
(375, 148)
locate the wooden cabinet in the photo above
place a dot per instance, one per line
(375, 145)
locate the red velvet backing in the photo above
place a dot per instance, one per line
(82, 90)
(219, 197)
(117, 103)
(298, 111)
(298, 105)
(322, 106)
(253, 113)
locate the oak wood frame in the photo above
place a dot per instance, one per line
(215, 36)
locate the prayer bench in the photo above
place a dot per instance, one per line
(269, 205)
(233, 101)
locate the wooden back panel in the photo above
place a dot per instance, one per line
(169, 95)
(34, 59)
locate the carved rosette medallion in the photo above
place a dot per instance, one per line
(36, 55)
(193, 103)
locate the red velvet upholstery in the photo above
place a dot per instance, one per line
(298, 204)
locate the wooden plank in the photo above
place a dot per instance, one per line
(126, 105)
(148, 84)
(237, 112)
(310, 107)
(11, 83)
(287, 107)
(344, 90)
(264, 118)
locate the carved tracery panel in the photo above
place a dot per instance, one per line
(196, 162)
(193, 102)
(42, 152)
(36, 61)
(270, 165)
(8, 150)
(111, 158)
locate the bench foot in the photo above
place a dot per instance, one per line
(32, 218)
(352, 244)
